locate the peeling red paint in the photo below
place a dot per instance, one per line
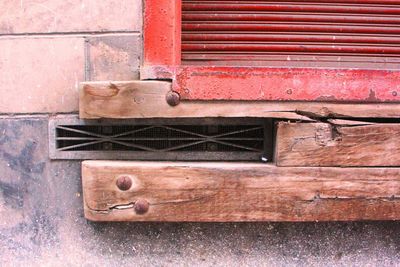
(372, 96)
(308, 84)
(162, 60)
(162, 32)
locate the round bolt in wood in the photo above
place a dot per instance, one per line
(124, 182)
(141, 206)
(173, 98)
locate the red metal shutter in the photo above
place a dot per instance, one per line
(359, 33)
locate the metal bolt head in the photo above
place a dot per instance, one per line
(124, 182)
(141, 206)
(173, 98)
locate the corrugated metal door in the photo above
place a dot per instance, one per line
(359, 33)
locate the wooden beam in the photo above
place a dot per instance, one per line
(222, 192)
(338, 144)
(147, 99)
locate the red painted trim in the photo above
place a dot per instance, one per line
(162, 32)
(162, 59)
(291, 84)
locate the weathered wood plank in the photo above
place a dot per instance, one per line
(338, 144)
(146, 99)
(237, 192)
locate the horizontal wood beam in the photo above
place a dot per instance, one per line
(338, 143)
(147, 99)
(223, 192)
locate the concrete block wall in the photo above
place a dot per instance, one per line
(48, 46)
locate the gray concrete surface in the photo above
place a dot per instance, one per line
(42, 224)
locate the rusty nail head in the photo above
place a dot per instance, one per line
(124, 182)
(141, 206)
(173, 98)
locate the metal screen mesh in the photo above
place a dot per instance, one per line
(163, 140)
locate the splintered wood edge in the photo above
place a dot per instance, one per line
(224, 192)
(147, 99)
(337, 143)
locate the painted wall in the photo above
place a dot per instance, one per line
(46, 48)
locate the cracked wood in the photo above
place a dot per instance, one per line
(222, 192)
(338, 143)
(146, 99)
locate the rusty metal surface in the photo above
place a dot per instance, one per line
(42, 224)
(261, 83)
(258, 83)
(345, 51)
(285, 31)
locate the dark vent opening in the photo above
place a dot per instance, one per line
(209, 139)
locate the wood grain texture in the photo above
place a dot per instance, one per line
(146, 99)
(338, 144)
(222, 192)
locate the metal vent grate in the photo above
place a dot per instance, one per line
(216, 139)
